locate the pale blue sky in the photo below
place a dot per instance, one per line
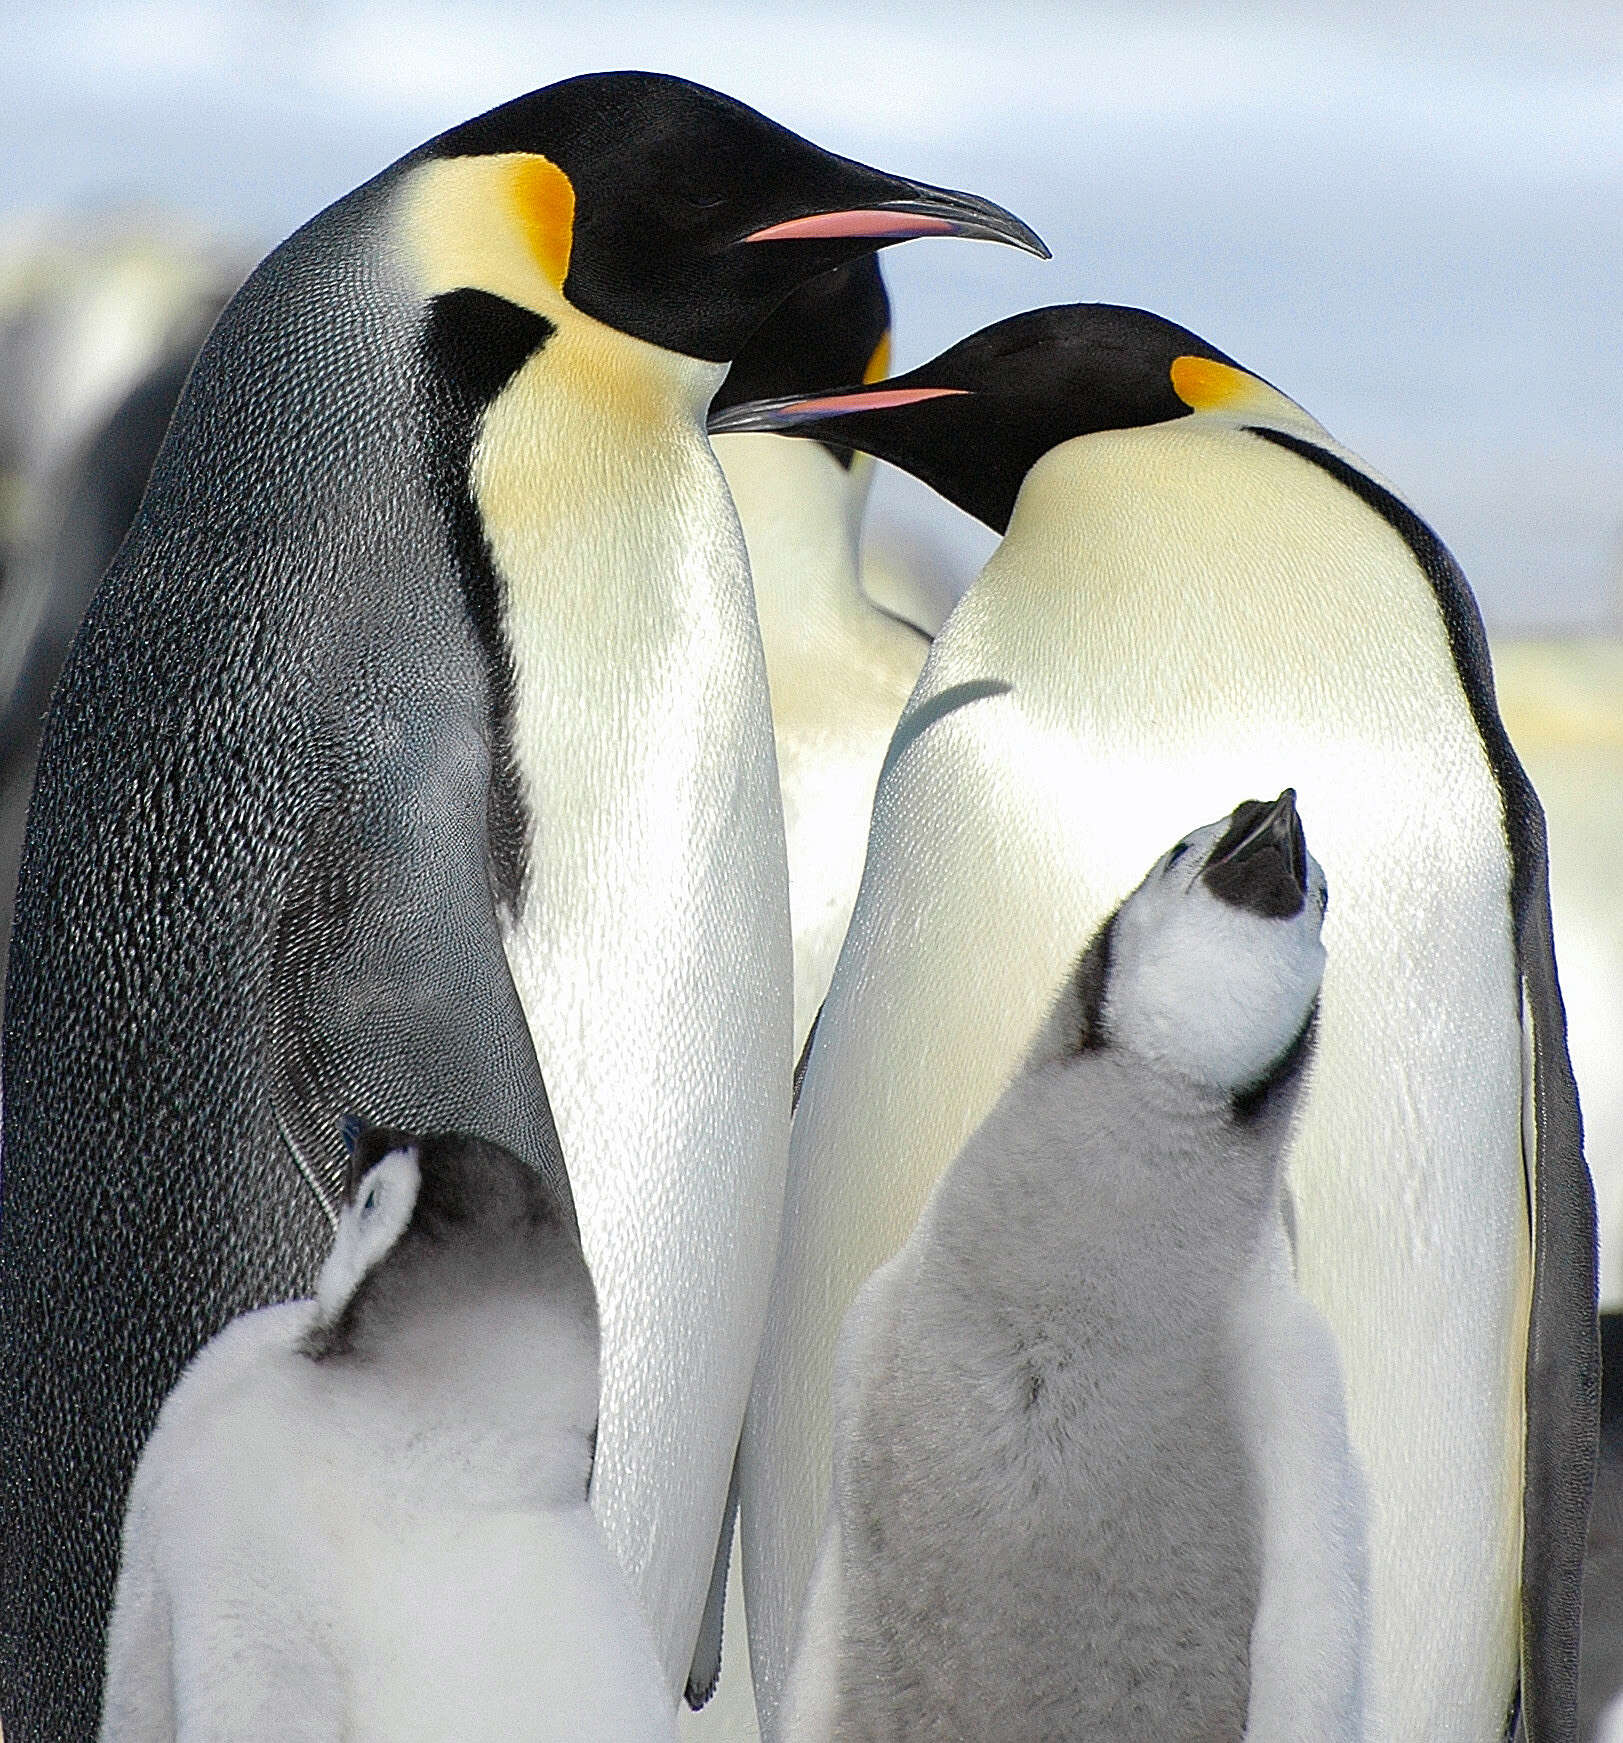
(1411, 224)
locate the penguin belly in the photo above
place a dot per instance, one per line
(650, 947)
(839, 670)
(1162, 662)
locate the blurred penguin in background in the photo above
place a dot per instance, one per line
(1091, 1470)
(839, 668)
(366, 1515)
(100, 319)
(1562, 699)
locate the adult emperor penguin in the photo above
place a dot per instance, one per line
(420, 729)
(839, 667)
(366, 1515)
(1091, 1470)
(1200, 590)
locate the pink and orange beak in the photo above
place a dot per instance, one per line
(902, 220)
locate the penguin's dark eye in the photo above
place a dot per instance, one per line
(370, 1203)
(1177, 853)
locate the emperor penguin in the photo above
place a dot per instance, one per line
(420, 732)
(1091, 1470)
(838, 666)
(839, 669)
(1199, 589)
(366, 1515)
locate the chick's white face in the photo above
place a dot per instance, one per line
(369, 1226)
(1212, 990)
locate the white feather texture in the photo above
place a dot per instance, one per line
(839, 670)
(1197, 986)
(397, 1548)
(651, 951)
(1187, 616)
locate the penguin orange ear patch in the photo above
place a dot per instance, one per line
(544, 200)
(1205, 385)
(879, 364)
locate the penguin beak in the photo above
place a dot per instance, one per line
(1261, 862)
(940, 214)
(793, 409)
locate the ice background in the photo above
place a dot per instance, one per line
(1408, 218)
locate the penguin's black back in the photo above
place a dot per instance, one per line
(233, 917)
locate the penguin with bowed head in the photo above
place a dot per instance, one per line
(839, 670)
(366, 1515)
(454, 753)
(839, 666)
(1091, 1469)
(1200, 589)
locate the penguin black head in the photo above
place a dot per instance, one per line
(973, 422)
(437, 1222)
(1211, 967)
(665, 210)
(834, 328)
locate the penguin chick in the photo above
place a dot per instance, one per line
(839, 667)
(366, 1515)
(1092, 1476)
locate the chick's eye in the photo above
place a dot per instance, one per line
(1177, 853)
(370, 1202)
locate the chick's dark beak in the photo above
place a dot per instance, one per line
(1260, 864)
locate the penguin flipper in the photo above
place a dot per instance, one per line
(392, 999)
(705, 1671)
(1563, 1340)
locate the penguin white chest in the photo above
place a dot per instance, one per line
(651, 943)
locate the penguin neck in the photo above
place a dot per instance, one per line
(802, 517)
(1159, 528)
(829, 649)
(1109, 1169)
(619, 557)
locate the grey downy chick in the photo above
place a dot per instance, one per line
(1092, 1475)
(365, 1516)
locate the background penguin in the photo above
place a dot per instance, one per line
(839, 667)
(99, 322)
(1200, 589)
(1562, 700)
(453, 747)
(366, 1515)
(1091, 1471)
